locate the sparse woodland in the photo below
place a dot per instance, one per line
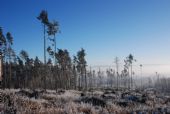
(59, 70)
(62, 84)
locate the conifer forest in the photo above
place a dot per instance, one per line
(63, 82)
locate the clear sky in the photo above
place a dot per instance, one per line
(104, 28)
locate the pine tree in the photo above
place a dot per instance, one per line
(43, 17)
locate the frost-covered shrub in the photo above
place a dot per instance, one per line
(51, 102)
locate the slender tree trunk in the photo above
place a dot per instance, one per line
(2, 73)
(131, 77)
(79, 81)
(85, 79)
(75, 77)
(5, 78)
(128, 79)
(141, 75)
(10, 74)
(56, 77)
(44, 46)
(117, 80)
(55, 62)
(44, 59)
(10, 78)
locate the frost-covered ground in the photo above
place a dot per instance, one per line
(105, 101)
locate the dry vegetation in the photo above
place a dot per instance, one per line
(76, 102)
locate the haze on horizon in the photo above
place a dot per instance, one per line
(105, 29)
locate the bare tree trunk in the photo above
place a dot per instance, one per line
(44, 59)
(85, 79)
(55, 62)
(80, 80)
(128, 79)
(82, 77)
(10, 78)
(131, 77)
(44, 46)
(45, 86)
(75, 78)
(5, 75)
(117, 66)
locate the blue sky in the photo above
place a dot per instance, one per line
(104, 28)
